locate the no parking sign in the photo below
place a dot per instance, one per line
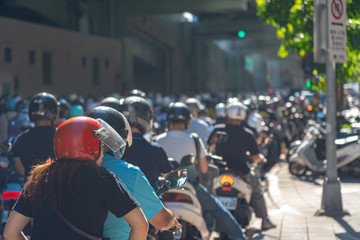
(337, 30)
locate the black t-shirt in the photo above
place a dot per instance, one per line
(95, 193)
(253, 130)
(234, 150)
(149, 157)
(35, 146)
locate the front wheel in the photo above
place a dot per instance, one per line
(189, 231)
(297, 169)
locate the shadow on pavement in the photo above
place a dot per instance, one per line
(257, 234)
(350, 232)
(313, 178)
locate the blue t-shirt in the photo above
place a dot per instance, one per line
(138, 185)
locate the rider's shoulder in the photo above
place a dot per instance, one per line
(219, 126)
(248, 131)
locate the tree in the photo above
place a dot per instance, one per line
(294, 22)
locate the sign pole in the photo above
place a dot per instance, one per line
(331, 198)
(331, 203)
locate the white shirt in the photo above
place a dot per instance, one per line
(178, 143)
(199, 127)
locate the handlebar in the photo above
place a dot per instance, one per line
(217, 160)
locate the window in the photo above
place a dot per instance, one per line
(107, 63)
(83, 62)
(8, 56)
(95, 71)
(32, 57)
(46, 68)
(16, 84)
(6, 88)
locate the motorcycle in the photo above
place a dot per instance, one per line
(11, 187)
(233, 191)
(185, 205)
(230, 187)
(310, 154)
(172, 181)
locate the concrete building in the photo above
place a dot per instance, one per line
(102, 47)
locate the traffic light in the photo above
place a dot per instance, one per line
(308, 84)
(241, 33)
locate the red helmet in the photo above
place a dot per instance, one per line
(80, 138)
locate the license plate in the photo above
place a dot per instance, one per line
(228, 202)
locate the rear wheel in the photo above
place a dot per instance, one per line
(297, 169)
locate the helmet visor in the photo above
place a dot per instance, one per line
(110, 138)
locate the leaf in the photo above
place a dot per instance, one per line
(283, 53)
(290, 27)
(281, 32)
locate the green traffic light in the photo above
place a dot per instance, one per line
(308, 84)
(241, 34)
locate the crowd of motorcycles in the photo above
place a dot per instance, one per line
(291, 130)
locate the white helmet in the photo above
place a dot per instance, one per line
(220, 110)
(255, 121)
(236, 110)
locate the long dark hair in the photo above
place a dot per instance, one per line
(49, 182)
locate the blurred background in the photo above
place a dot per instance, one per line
(107, 46)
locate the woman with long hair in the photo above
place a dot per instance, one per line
(70, 197)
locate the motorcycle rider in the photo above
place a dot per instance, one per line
(197, 125)
(35, 145)
(69, 198)
(177, 142)
(64, 107)
(112, 102)
(220, 113)
(234, 153)
(148, 156)
(138, 93)
(158, 215)
(76, 111)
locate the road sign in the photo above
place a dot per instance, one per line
(337, 30)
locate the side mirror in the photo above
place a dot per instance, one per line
(174, 179)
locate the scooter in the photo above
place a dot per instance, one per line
(11, 187)
(230, 187)
(185, 205)
(234, 192)
(173, 180)
(310, 154)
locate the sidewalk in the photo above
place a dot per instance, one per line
(293, 202)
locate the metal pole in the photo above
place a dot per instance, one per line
(331, 197)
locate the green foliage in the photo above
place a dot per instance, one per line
(294, 22)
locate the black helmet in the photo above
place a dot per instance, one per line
(112, 102)
(179, 112)
(114, 118)
(139, 113)
(138, 93)
(43, 106)
(64, 108)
